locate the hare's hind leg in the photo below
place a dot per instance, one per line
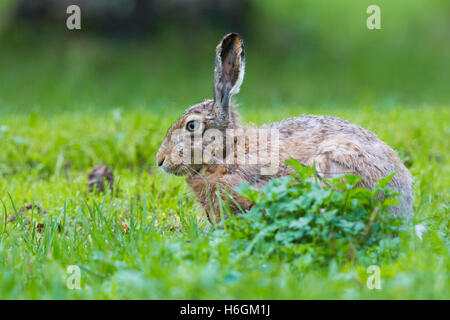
(327, 166)
(402, 182)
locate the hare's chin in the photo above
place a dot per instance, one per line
(170, 171)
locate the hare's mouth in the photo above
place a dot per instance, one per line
(180, 170)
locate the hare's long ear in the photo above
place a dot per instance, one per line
(228, 75)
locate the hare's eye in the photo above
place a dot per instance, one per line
(191, 125)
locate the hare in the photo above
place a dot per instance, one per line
(334, 146)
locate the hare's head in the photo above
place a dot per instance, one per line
(181, 151)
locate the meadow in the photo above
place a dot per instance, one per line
(68, 106)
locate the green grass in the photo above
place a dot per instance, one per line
(167, 251)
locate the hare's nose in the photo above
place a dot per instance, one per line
(161, 161)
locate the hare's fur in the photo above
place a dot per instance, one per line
(333, 145)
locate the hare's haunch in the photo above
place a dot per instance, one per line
(216, 153)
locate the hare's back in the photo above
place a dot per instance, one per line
(336, 143)
(322, 127)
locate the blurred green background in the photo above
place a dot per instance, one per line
(159, 54)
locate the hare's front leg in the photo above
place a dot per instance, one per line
(208, 189)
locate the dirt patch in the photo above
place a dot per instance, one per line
(98, 176)
(26, 208)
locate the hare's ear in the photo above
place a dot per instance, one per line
(228, 74)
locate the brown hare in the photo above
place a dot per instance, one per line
(201, 145)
